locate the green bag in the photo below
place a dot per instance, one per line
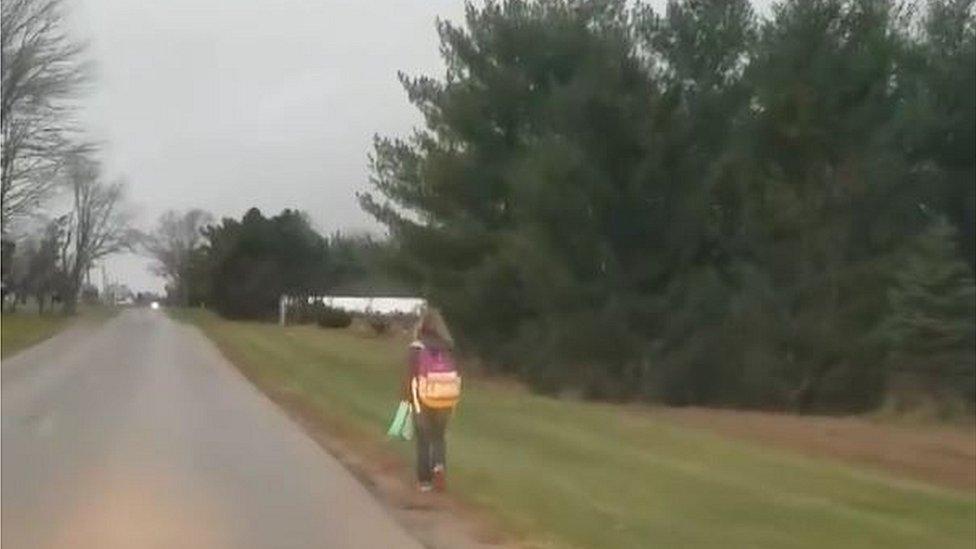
(402, 424)
(406, 433)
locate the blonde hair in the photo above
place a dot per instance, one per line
(431, 324)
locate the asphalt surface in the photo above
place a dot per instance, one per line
(138, 433)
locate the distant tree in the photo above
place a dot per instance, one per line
(932, 323)
(45, 278)
(199, 276)
(252, 262)
(361, 264)
(34, 268)
(172, 245)
(97, 226)
(42, 72)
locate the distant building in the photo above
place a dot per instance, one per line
(382, 306)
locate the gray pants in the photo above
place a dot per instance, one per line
(431, 447)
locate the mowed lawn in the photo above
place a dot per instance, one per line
(564, 473)
(25, 328)
(21, 330)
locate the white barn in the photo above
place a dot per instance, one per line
(362, 305)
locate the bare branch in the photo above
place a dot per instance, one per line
(42, 72)
(172, 243)
(98, 224)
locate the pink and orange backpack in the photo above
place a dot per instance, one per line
(438, 382)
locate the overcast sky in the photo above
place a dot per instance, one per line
(228, 104)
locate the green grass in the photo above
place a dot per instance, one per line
(23, 329)
(592, 475)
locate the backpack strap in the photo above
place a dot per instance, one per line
(414, 396)
(416, 346)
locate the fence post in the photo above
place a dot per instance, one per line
(282, 309)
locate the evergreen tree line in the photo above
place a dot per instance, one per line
(701, 206)
(240, 268)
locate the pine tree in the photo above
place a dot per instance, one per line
(931, 323)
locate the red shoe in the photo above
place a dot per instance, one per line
(440, 483)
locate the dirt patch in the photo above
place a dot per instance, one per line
(944, 455)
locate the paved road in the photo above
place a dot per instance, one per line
(138, 433)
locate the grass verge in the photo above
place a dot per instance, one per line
(24, 329)
(562, 473)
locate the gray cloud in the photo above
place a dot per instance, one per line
(230, 104)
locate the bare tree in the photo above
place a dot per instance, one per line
(42, 73)
(97, 224)
(171, 245)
